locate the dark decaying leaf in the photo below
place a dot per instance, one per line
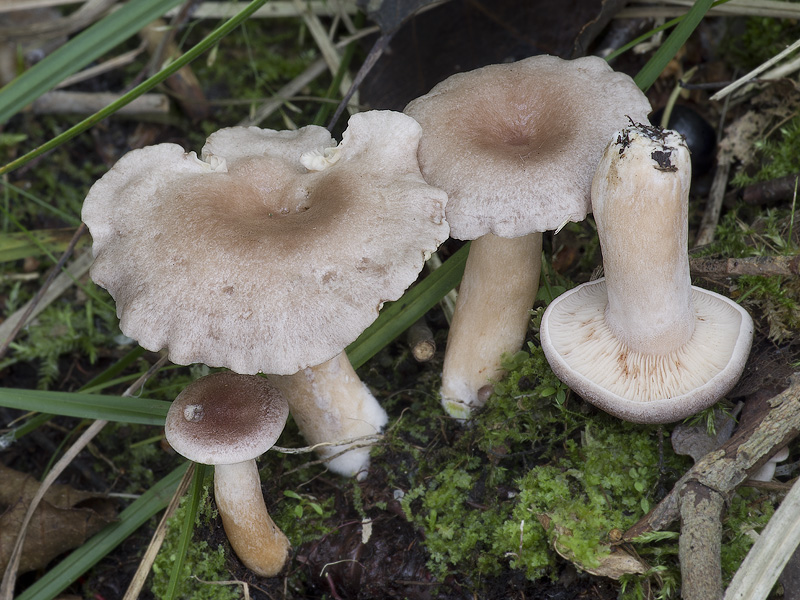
(64, 519)
(389, 15)
(462, 35)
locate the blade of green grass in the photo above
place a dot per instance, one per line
(195, 496)
(398, 316)
(646, 36)
(654, 67)
(14, 246)
(87, 406)
(85, 47)
(82, 559)
(207, 43)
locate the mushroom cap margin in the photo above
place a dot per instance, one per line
(645, 388)
(238, 418)
(181, 283)
(528, 170)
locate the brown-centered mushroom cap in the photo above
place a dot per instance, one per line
(249, 260)
(226, 418)
(515, 145)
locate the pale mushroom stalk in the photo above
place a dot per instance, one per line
(330, 403)
(644, 237)
(492, 313)
(642, 343)
(254, 537)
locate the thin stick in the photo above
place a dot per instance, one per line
(755, 72)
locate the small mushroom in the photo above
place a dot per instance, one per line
(644, 344)
(514, 146)
(767, 470)
(270, 254)
(228, 420)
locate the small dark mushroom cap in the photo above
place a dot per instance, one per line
(226, 418)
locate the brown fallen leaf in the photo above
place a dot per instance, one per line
(64, 519)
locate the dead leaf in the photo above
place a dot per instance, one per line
(390, 14)
(64, 519)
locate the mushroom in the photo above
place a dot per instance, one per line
(514, 146)
(228, 420)
(767, 470)
(270, 254)
(644, 344)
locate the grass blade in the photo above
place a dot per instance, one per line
(176, 579)
(14, 246)
(80, 51)
(140, 89)
(87, 406)
(654, 67)
(82, 559)
(398, 316)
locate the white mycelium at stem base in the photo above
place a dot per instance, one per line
(643, 343)
(330, 403)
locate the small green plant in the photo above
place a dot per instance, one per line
(202, 564)
(63, 329)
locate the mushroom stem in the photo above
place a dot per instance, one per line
(643, 231)
(492, 313)
(330, 403)
(257, 541)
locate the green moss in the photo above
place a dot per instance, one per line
(748, 513)
(533, 469)
(63, 329)
(755, 40)
(203, 563)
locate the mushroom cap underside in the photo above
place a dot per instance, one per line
(639, 387)
(226, 418)
(250, 261)
(515, 145)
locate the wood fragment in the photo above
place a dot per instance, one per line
(771, 192)
(714, 204)
(700, 542)
(88, 13)
(87, 103)
(421, 342)
(183, 83)
(767, 266)
(775, 422)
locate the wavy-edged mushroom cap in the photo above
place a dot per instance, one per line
(515, 145)
(226, 418)
(644, 344)
(248, 259)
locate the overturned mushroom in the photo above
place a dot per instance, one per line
(271, 254)
(514, 146)
(229, 420)
(644, 344)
